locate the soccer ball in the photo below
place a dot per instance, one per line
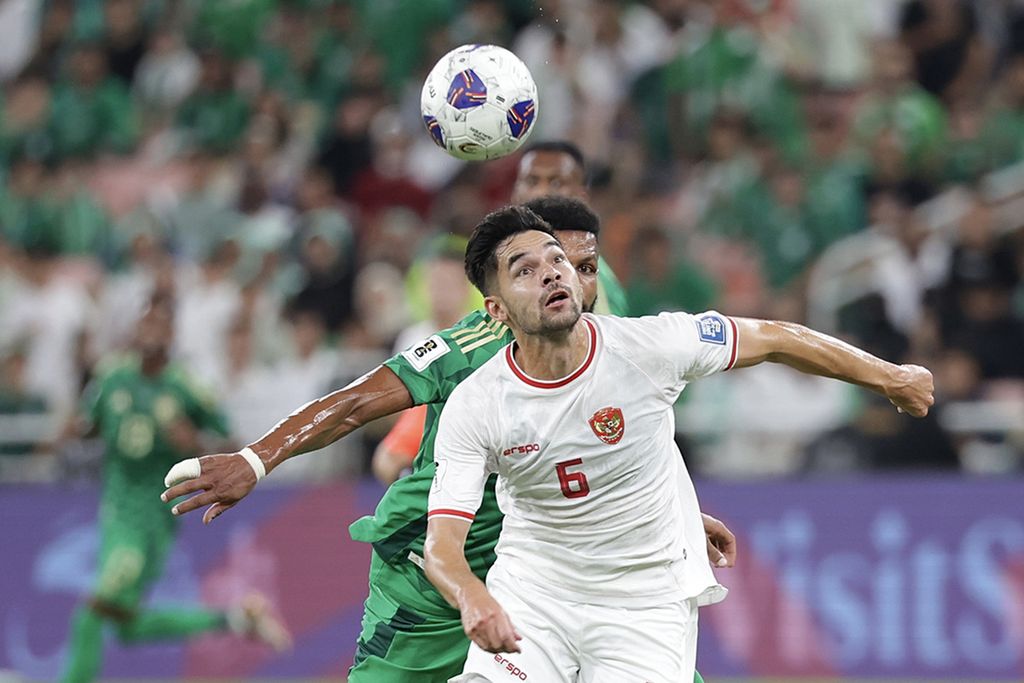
(479, 102)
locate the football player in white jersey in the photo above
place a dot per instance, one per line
(593, 581)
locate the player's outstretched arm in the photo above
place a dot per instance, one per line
(908, 387)
(483, 619)
(224, 479)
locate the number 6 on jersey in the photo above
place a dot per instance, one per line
(566, 479)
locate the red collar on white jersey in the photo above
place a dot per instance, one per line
(555, 383)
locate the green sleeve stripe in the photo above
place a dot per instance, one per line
(478, 343)
(465, 339)
(469, 331)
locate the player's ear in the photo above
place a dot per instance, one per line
(495, 308)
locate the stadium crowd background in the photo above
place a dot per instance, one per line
(857, 165)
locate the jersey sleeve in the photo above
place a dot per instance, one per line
(462, 458)
(433, 368)
(675, 348)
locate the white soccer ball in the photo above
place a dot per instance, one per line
(479, 102)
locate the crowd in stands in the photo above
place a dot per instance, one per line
(856, 165)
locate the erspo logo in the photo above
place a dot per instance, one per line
(525, 449)
(511, 668)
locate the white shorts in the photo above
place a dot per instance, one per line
(573, 642)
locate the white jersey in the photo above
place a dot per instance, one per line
(589, 473)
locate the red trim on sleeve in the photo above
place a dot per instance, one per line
(554, 384)
(452, 513)
(735, 344)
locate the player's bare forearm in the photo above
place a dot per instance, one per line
(223, 479)
(483, 619)
(444, 558)
(909, 387)
(329, 418)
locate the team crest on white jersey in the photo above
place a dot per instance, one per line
(608, 425)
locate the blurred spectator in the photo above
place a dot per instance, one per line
(25, 119)
(389, 180)
(213, 118)
(26, 217)
(380, 307)
(201, 216)
(166, 73)
(950, 56)
(326, 253)
(1002, 133)
(976, 312)
(439, 277)
(18, 35)
(55, 35)
(81, 226)
(48, 316)
(208, 300)
(17, 399)
(662, 281)
(125, 38)
(897, 106)
(92, 111)
(347, 150)
(334, 45)
(148, 268)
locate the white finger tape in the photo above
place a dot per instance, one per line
(183, 471)
(254, 461)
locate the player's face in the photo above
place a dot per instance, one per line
(538, 290)
(581, 248)
(543, 174)
(154, 332)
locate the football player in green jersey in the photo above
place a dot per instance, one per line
(149, 416)
(409, 632)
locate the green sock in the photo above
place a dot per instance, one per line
(86, 647)
(171, 624)
(697, 678)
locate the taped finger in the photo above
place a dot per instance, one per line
(183, 471)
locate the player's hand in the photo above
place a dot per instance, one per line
(224, 479)
(486, 623)
(721, 542)
(912, 390)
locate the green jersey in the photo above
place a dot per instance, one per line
(431, 371)
(133, 414)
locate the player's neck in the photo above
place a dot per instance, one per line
(153, 365)
(552, 356)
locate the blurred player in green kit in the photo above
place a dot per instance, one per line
(410, 634)
(149, 416)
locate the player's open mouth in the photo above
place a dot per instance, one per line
(556, 298)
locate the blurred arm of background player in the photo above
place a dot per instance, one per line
(395, 454)
(908, 387)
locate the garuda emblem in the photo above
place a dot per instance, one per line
(608, 425)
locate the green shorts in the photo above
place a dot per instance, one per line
(131, 559)
(409, 633)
